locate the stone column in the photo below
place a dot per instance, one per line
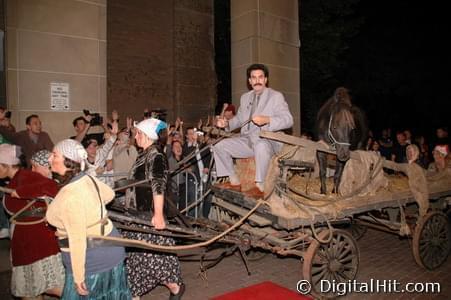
(267, 31)
(62, 41)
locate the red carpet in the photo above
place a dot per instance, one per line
(263, 291)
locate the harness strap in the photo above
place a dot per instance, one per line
(333, 140)
(102, 227)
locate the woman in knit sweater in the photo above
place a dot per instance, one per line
(77, 211)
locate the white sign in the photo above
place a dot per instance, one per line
(59, 96)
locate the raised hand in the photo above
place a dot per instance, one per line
(115, 115)
(222, 122)
(114, 127)
(129, 123)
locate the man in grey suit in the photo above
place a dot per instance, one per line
(261, 108)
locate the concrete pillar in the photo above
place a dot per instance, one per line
(267, 31)
(55, 41)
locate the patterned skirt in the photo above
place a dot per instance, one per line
(146, 270)
(34, 279)
(111, 284)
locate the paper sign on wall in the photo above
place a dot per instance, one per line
(59, 96)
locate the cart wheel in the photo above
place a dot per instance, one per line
(336, 261)
(356, 230)
(432, 240)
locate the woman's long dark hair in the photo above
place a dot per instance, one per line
(73, 169)
(162, 139)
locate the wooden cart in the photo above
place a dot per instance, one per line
(324, 236)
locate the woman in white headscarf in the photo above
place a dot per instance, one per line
(146, 270)
(78, 210)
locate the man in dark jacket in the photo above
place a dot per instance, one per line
(31, 140)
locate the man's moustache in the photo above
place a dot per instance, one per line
(257, 84)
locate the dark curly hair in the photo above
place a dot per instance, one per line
(73, 169)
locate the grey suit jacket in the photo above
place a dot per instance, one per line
(272, 104)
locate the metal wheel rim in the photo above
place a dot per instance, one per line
(432, 240)
(337, 260)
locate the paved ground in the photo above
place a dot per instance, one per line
(383, 257)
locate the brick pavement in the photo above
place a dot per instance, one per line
(383, 256)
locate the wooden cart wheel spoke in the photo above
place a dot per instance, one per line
(349, 258)
(344, 253)
(317, 269)
(340, 248)
(344, 276)
(344, 249)
(323, 256)
(431, 240)
(442, 249)
(335, 277)
(320, 276)
(337, 260)
(349, 269)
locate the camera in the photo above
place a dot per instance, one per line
(159, 114)
(8, 114)
(96, 119)
(198, 132)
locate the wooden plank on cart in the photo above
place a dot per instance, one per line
(260, 221)
(298, 141)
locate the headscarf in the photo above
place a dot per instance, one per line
(73, 150)
(9, 154)
(442, 150)
(412, 153)
(151, 127)
(41, 158)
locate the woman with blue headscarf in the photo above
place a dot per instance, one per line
(146, 270)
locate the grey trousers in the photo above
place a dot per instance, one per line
(241, 147)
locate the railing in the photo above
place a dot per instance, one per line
(188, 190)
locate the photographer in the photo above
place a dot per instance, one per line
(82, 126)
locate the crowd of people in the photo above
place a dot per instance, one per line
(50, 252)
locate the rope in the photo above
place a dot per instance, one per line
(151, 246)
(17, 214)
(309, 210)
(194, 153)
(6, 190)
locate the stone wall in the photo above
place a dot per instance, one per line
(267, 31)
(161, 55)
(55, 41)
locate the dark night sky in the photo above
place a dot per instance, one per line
(397, 65)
